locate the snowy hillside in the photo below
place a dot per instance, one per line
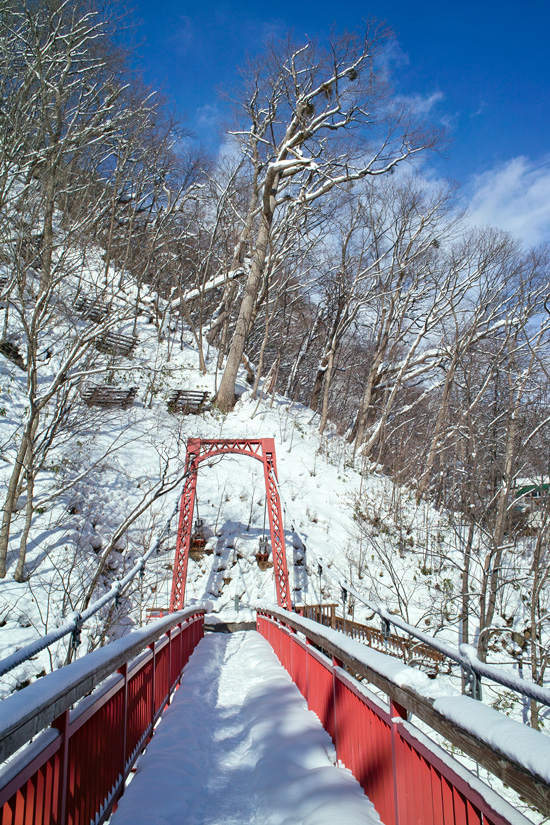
(125, 451)
(359, 526)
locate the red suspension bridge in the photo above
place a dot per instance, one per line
(72, 738)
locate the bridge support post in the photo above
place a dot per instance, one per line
(153, 686)
(62, 725)
(185, 526)
(397, 711)
(199, 450)
(276, 525)
(124, 673)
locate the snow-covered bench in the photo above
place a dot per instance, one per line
(187, 401)
(97, 395)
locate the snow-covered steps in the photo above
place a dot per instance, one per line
(237, 746)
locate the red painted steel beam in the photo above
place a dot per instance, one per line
(185, 526)
(79, 776)
(276, 525)
(198, 450)
(407, 777)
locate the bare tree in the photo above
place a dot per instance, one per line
(314, 119)
(88, 142)
(411, 291)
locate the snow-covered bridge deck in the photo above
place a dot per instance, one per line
(238, 745)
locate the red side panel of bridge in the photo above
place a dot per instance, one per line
(76, 777)
(405, 780)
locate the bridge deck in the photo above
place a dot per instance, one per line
(238, 746)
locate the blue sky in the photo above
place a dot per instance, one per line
(480, 69)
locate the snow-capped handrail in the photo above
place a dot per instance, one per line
(518, 755)
(75, 620)
(27, 712)
(465, 655)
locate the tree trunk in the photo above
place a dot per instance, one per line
(19, 574)
(492, 573)
(306, 343)
(261, 357)
(326, 392)
(225, 398)
(318, 383)
(362, 415)
(442, 412)
(11, 495)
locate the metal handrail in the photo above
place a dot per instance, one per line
(404, 687)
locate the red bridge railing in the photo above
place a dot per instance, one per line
(74, 772)
(407, 777)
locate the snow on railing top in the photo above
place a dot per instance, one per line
(465, 655)
(24, 713)
(524, 747)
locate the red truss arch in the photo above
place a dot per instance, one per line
(198, 450)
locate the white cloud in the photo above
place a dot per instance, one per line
(229, 151)
(423, 105)
(208, 116)
(391, 57)
(183, 35)
(274, 29)
(514, 196)
(480, 109)
(420, 105)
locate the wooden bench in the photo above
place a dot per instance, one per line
(101, 396)
(95, 311)
(116, 343)
(187, 401)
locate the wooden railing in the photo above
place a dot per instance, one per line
(409, 650)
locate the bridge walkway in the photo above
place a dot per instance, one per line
(238, 745)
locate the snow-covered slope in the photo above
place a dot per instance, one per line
(319, 486)
(362, 526)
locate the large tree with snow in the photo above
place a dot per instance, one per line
(312, 118)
